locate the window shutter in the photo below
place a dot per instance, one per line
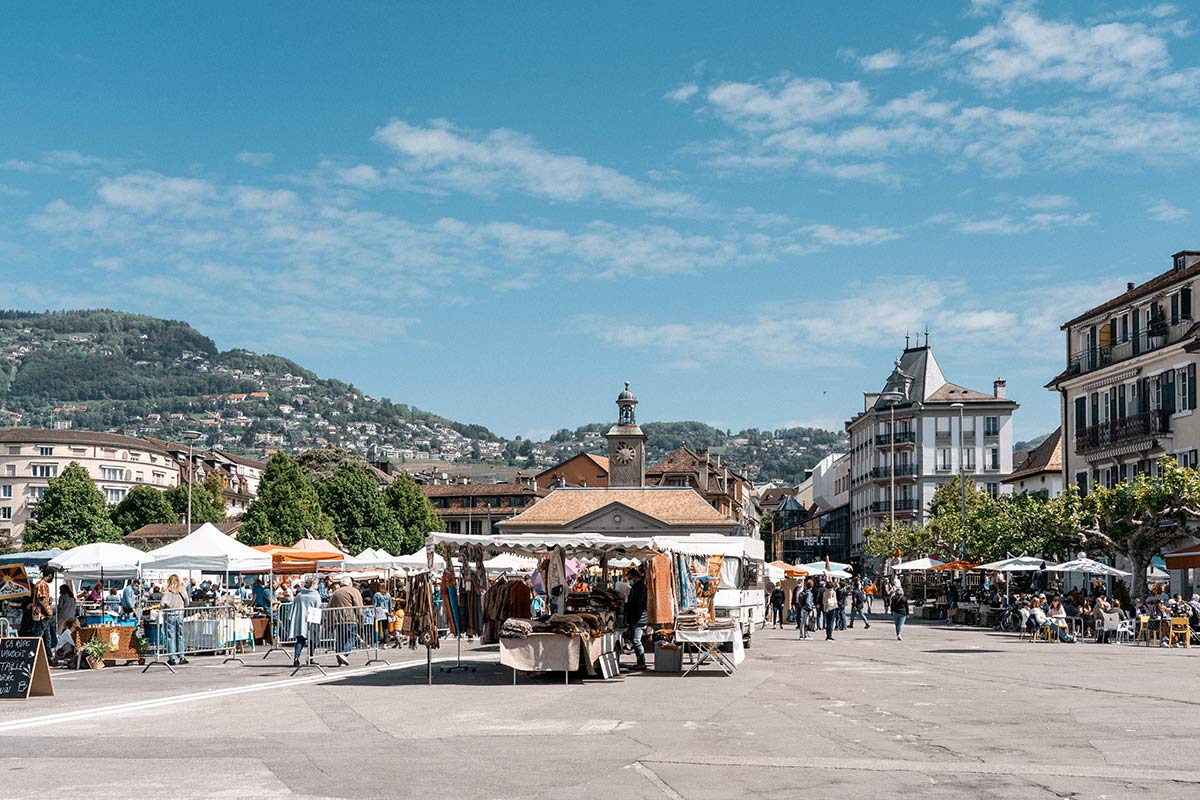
(1080, 414)
(1174, 309)
(1121, 401)
(1185, 302)
(1168, 395)
(1191, 398)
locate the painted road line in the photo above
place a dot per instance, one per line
(191, 697)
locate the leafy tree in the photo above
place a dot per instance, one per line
(413, 511)
(286, 509)
(321, 463)
(208, 504)
(352, 499)
(144, 505)
(1139, 518)
(72, 512)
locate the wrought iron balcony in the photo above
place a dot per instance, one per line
(1160, 334)
(1122, 431)
(902, 471)
(899, 437)
(902, 504)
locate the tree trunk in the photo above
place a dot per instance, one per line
(1140, 562)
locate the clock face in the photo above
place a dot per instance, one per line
(625, 453)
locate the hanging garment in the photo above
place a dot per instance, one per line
(660, 604)
(450, 592)
(556, 580)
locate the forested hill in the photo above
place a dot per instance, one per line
(113, 371)
(110, 370)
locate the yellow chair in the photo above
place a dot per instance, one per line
(1046, 633)
(1180, 629)
(1145, 631)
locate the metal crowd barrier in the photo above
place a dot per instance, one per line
(343, 631)
(282, 640)
(201, 629)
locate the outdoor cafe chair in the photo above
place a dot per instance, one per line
(1145, 631)
(1180, 629)
(1045, 633)
(1114, 626)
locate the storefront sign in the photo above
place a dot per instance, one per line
(24, 670)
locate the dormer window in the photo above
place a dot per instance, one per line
(1179, 262)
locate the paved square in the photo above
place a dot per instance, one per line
(948, 712)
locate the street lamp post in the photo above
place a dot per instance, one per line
(190, 436)
(962, 480)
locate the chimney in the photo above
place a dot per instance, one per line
(999, 388)
(869, 399)
(1129, 286)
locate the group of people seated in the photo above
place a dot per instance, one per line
(1057, 611)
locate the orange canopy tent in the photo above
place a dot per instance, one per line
(299, 559)
(953, 566)
(789, 570)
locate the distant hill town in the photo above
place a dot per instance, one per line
(112, 371)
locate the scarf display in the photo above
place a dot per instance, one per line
(420, 614)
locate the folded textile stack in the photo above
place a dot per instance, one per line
(606, 598)
(582, 624)
(689, 621)
(721, 624)
(514, 628)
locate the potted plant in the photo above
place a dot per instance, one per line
(95, 649)
(143, 646)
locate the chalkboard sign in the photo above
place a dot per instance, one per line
(24, 670)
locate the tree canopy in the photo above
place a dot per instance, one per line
(208, 504)
(287, 507)
(413, 512)
(72, 512)
(143, 505)
(362, 519)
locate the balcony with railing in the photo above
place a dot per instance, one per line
(899, 438)
(903, 505)
(1126, 430)
(903, 471)
(1160, 334)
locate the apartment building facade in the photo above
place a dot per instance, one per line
(918, 433)
(1128, 391)
(31, 457)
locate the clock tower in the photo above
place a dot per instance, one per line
(626, 445)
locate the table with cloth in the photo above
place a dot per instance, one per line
(708, 643)
(555, 652)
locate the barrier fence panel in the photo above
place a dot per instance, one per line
(282, 640)
(177, 633)
(339, 631)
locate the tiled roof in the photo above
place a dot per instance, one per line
(1046, 457)
(682, 459)
(88, 438)
(669, 505)
(600, 461)
(172, 531)
(243, 460)
(476, 490)
(1149, 287)
(953, 393)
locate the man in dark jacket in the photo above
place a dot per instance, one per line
(777, 597)
(858, 599)
(635, 616)
(346, 617)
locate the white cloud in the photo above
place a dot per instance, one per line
(845, 237)
(881, 61)
(150, 192)
(1162, 211)
(254, 159)
(1047, 202)
(786, 101)
(682, 94)
(74, 159)
(503, 160)
(1007, 225)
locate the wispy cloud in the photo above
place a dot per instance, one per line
(1162, 211)
(505, 160)
(255, 159)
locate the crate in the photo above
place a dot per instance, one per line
(668, 658)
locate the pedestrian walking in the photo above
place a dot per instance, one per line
(829, 604)
(842, 597)
(347, 611)
(636, 617)
(858, 599)
(806, 605)
(777, 607)
(870, 590)
(900, 610)
(298, 626)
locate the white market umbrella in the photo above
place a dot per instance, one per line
(1018, 564)
(1090, 567)
(821, 567)
(918, 564)
(100, 559)
(814, 572)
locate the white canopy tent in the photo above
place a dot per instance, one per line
(100, 560)
(817, 572)
(416, 562)
(509, 562)
(209, 550)
(371, 559)
(1017, 564)
(1090, 567)
(917, 565)
(582, 544)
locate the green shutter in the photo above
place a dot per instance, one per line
(1191, 398)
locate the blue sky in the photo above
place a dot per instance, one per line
(499, 212)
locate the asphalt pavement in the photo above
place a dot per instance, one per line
(949, 712)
